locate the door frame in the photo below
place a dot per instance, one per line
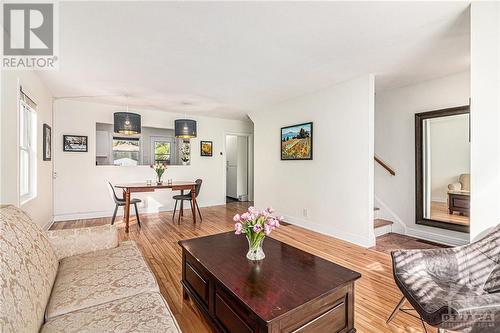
(250, 165)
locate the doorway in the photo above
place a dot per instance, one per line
(239, 167)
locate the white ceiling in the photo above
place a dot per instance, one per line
(225, 58)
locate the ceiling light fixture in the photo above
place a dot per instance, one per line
(185, 128)
(127, 123)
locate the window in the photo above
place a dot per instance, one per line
(162, 151)
(27, 152)
(126, 151)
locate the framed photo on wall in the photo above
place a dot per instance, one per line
(297, 142)
(206, 148)
(75, 143)
(47, 142)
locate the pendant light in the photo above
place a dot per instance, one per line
(185, 128)
(127, 123)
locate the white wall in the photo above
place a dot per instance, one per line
(336, 187)
(395, 143)
(81, 186)
(485, 116)
(41, 207)
(450, 153)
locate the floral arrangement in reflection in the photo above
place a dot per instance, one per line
(256, 225)
(185, 150)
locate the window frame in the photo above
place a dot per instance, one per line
(123, 138)
(166, 139)
(169, 155)
(27, 144)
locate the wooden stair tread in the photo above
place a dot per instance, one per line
(378, 223)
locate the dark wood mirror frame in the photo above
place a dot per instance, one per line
(419, 181)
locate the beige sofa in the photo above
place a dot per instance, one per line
(76, 280)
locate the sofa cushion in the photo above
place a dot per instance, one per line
(99, 277)
(146, 312)
(28, 267)
(72, 242)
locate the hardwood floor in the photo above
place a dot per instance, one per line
(439, 212)
(376, 292)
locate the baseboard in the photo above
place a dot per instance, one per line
(442, 239)
(49, 224)
(325, 230)
(109, 213)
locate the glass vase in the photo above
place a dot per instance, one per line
(255, 251)
(158, 179)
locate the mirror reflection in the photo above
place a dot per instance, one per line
(151, 146)
(446, 169)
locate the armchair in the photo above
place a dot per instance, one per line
(463, 184)
(454, 288)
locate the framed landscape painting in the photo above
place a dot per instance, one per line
(297, 142)
(206, 148)
(75, 143)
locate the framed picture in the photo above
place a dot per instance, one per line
(297, 142)
(206, 148)
(47, 142)
(76, 143)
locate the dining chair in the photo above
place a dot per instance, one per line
(121, 202)
(189, 198)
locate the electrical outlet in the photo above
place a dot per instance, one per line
(304, 212)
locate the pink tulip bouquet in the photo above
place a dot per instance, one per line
(160, 169)
(256, 225)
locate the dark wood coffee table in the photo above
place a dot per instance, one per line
(289, 291)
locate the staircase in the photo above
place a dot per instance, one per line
(381, 226)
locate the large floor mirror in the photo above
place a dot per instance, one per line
(442, 170)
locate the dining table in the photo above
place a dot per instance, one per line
(130, 188)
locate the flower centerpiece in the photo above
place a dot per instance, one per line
(256, 225)
(159, 168)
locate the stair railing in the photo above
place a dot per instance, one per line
(384, 165)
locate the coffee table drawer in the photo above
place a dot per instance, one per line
(333, 320)
(196, 281)
(228, 316)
